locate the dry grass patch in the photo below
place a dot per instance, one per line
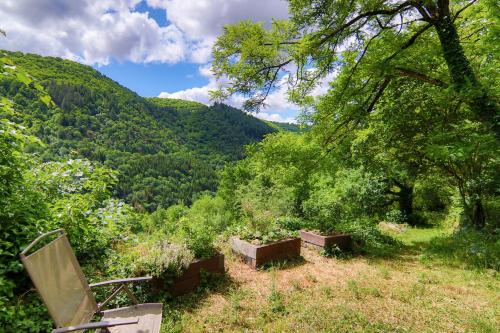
(355, 295)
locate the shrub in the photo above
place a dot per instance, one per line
(163, 219)
(348, 195)
(165, 260)
(201, 224)
(268, 233)
(210, 212)
(77, 193)
(432, 194)
(159, 258)
(396, 216)
(368, 238)
(198, 238)
(23, 215)
(293, 223)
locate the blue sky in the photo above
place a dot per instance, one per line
(153, 47)
(150, 80)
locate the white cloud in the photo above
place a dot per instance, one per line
(197, 94)
(206, 71)
(93, 32)
(96, 31)
(276, 101)
(275, 117)
(201, 95)
(202, 19)
(276, 104)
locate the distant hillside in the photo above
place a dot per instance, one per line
(179, 104)
(166, 150)
(183, 105)
(289, 127)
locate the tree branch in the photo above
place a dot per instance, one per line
(409, 42)
(359, 61)
(291, 42)
(346, 25)
(379, 93)
(472, 34)
(423, 11)
(421, 77)
(444, 8)
(457, 14)
(279, 66)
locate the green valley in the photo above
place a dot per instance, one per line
(166, 151)
(380, 212)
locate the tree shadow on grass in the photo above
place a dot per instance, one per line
(467, 248)
(283, 264)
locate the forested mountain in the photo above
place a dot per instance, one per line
(288, 127)
(166, 151)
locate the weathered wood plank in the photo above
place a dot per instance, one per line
(257, 255)
(342, 241)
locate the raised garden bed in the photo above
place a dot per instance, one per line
(257, 255)
(318, 241)
(190, 279)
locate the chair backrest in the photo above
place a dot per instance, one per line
(57, 276)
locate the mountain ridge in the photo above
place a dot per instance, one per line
(166, 151)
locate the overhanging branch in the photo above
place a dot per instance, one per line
(379, 93)
(457, 14)
(409, 42)
(368, 14)
(420, 77)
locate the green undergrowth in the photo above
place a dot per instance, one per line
(467, 248)
(451, 245)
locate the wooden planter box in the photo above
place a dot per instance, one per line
(342, 241)
(190, 279)
(257, 255)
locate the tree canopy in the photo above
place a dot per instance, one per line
(323, 37)
(404, 78)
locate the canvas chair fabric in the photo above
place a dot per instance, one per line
(57, 276)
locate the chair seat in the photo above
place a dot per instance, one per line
(149, 315)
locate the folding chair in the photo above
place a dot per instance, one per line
(57, 276)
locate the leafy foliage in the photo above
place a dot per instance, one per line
(288, 182)
(324, 37)
(402, 88)
(38, 197)
(199, 227)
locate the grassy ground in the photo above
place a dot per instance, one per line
(361, 294)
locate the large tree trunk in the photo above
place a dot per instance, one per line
(463, 77)
(405, 200)
(478, 216)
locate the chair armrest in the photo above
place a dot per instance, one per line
(120, 284)
(99, 324)
(120, 281)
